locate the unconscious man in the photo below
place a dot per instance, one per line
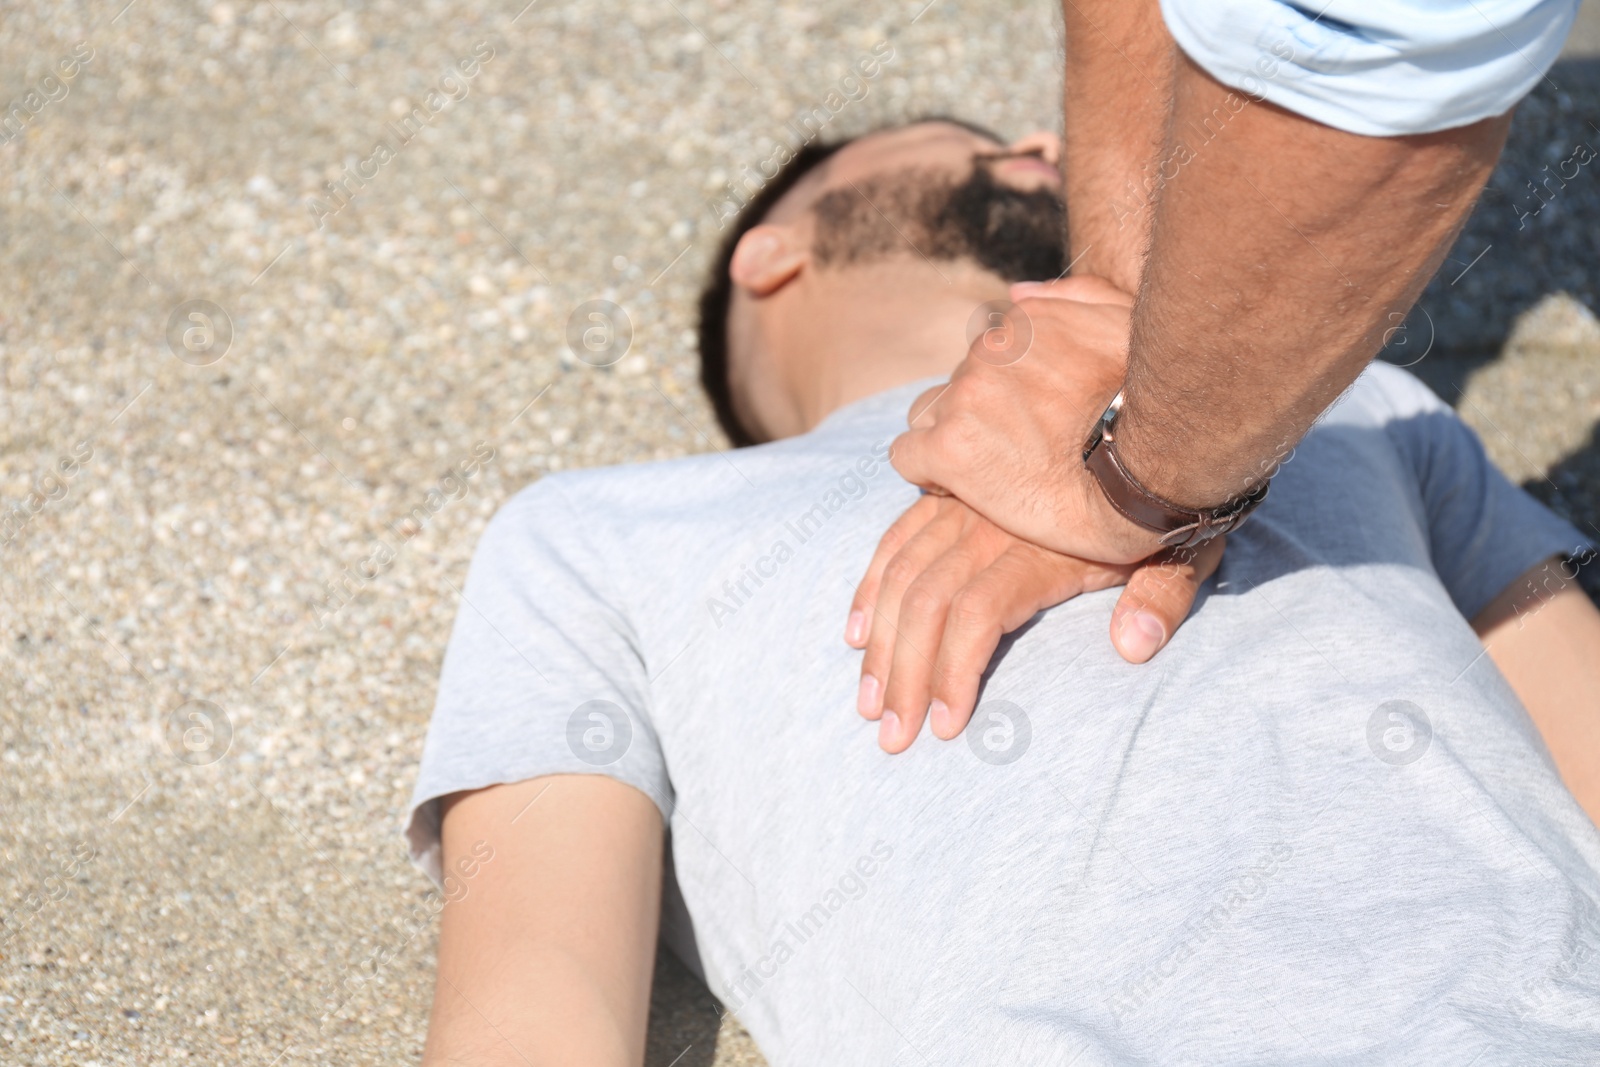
(1338, 819)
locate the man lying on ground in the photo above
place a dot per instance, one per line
(1318, 827)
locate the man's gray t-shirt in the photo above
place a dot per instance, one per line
(1317, 828)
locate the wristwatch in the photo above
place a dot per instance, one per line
(1177, 526)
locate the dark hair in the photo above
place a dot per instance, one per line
(717, 296)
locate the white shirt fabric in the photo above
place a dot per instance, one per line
(1380, 69)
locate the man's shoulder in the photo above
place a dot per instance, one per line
(846, 454)
(732, 476)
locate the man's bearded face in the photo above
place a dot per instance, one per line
(1018, 234)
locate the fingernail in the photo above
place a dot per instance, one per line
(855, 628)
(888, 729)
(1024, 288)
(939, 712)
(1142, 634)
(867, 695)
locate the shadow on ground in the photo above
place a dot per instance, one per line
(684, 1017)
(1569, 489)
(1534, 230)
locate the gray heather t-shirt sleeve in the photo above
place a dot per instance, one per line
(1483, 531)
(543, 674)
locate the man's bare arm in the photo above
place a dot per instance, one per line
(1281, 251)
(1117, 93)
(545, 960)
(1543, 633)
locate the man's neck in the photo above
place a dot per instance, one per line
(878, 327)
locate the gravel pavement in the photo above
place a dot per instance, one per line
(271, 273)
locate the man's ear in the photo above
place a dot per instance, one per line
(1044, 142)
(767, 258)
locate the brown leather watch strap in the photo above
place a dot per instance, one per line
(1177, 526)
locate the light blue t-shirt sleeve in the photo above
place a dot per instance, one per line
(1379, 69)
(543, 674)
(1483, 531)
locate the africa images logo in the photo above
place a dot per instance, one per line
(1398, 732)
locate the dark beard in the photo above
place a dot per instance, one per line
(1021, 236)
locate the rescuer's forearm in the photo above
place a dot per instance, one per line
(1281, 251)
(1117, 93)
